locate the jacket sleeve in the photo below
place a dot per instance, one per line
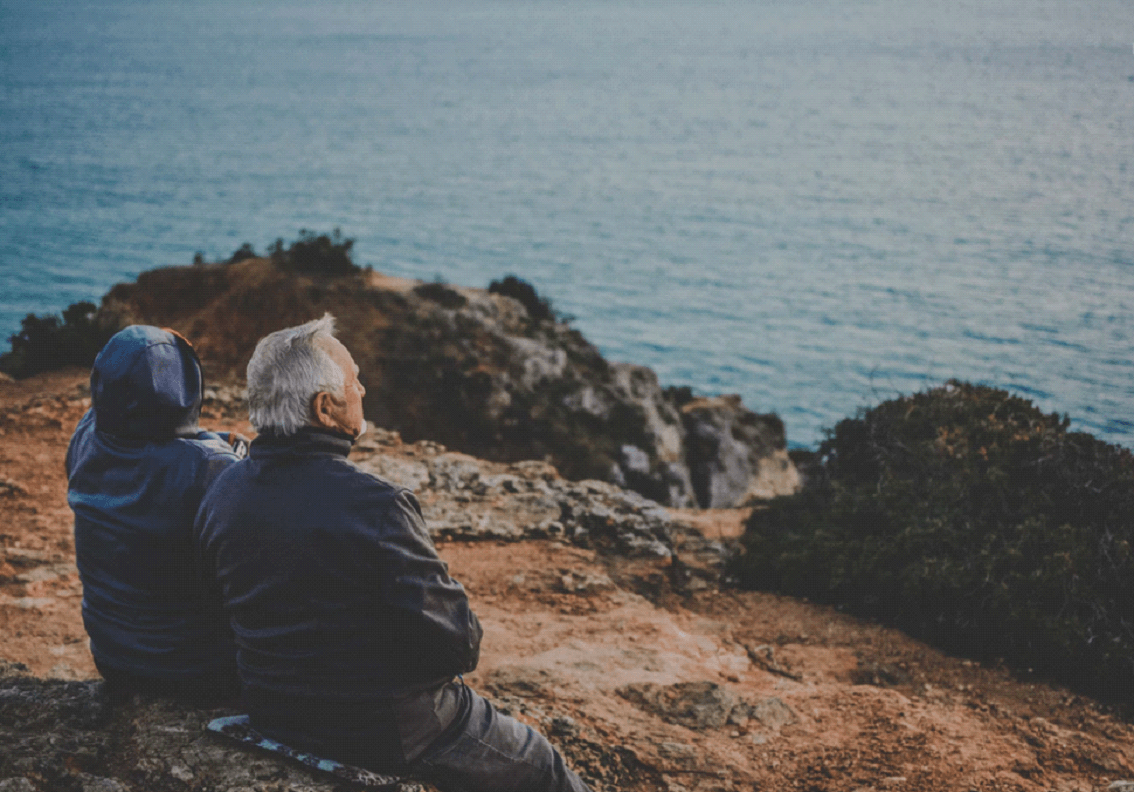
(214, 462)
(439, 627)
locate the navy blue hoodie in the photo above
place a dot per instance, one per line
(137, 468)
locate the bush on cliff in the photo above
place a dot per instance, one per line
(242, 253)
(968, 517)
(313, 254)
(442, 294)
(538, 308)
(48, 342)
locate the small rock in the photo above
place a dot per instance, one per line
(1121, 786)
(90, 783)
(181, 773)
(585, 583)
(679, 751)
(562, 725)
(520, 680)
(11, 487)
(63, 671)
(635, 459)
(16, 784)
(772, 713)
(893, 781)
(695, 705)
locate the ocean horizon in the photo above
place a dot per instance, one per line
(817, 205)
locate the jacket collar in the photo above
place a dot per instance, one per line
(308, 440)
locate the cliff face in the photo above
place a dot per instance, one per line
(475, 371)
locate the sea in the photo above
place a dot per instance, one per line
(817, 204)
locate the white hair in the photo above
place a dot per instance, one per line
(286, 371)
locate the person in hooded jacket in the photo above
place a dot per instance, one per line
(137, 469)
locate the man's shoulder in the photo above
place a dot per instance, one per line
(208, 443)
(327, 473)
(365, 481)
(206, 448)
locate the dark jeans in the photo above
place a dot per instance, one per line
(484, 751)
(121, 685)
(447, 736)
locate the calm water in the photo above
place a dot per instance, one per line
(814, 204)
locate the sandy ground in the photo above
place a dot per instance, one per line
(599, 650)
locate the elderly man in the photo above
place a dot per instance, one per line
(137, 468)
(350, 631)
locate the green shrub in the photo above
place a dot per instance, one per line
(538, 308)
(46, 342)
(245, 251)
(442, 294)
(968, 517)
(315, 254)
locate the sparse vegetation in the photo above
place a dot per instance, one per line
(538, 308)
(314, 254)
(442, 294)
(967, 516)
(245, 251)
(48, 342)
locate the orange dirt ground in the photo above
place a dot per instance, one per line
(863, 707)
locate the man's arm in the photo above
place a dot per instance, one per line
(236, 443)
(441, 629)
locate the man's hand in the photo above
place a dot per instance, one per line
(239, 444)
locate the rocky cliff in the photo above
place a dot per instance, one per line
(482, 374)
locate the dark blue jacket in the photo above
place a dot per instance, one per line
(336, 593)
(137, 469)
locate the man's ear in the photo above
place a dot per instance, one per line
(321, 410)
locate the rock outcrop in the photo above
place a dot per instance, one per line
(735, 456)
(469, 499)
(475, 371)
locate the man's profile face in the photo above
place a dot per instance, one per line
(344, 414)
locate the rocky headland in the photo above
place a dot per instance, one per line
(481, 373)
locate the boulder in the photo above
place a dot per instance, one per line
(468, 499)
(735, 455)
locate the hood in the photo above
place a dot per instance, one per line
(146, 384)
